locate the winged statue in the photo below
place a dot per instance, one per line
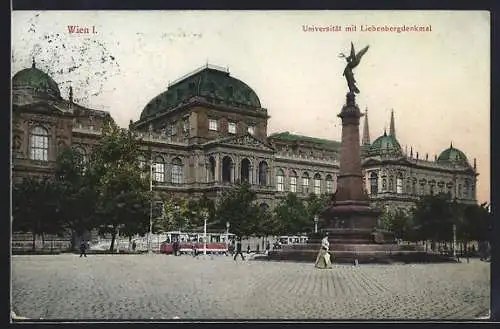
(352, 61)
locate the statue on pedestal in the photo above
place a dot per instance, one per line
(352, 61)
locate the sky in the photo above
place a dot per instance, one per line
(436, 81)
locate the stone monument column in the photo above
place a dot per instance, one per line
(350, 178)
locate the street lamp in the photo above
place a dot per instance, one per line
(227, 235)
(150, 205)
(316, 223)
(205, 218)
(454, 241)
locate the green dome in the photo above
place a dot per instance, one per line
(208, 82)
(452, 155)
(36, 80)
(387, 145)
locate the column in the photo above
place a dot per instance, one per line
(217, 168)
(250, 174)
(233, 178)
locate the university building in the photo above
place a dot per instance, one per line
(208, 131)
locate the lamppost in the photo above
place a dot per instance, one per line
(205, 218)
(227, 235)
(150, 205)
(316, 223)
(454, 241)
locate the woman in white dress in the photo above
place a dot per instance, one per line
(323, 260)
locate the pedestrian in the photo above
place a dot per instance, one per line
(194, 249)
(83, 249)
(238, 250)
(248, 249)
(268, 247)
(175, 246)
(134, 245)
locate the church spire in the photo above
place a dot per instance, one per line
(392, 128)
(366, 130)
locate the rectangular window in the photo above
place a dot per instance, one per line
(212, 124)
(317, 186)
(251, 130)
(305, 184)
(399, 185)
(231, 127)
(329, 186)
(293, 184)
(280, 183)
(159, 172)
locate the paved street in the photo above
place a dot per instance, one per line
(164, 287)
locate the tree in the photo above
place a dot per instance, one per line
(238, 207)
(34, 207)
(76, 193)
(398, 222)
(123, 191)
(315, 205)
(434, 218)
(291, 215)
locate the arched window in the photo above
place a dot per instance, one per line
(177, 171)
(317, 184)
(441, 186)
(83, 155)
(373, 183)
(384, 184)
(280, 180)
(142, 165)
(329, 184)
(245, 170)
(159, 170)
(305, 183)
(414, 186)
(263, 173)
(432, 184)
(408, 185)
(391, 184)
(422, 186)
(211, 169)
(293, 181)
(399, 184)
(39, 144)
(227, 167)
(466, 189)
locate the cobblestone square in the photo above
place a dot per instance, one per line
(165, 287)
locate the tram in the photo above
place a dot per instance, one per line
(192, 242)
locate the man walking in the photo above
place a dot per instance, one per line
(238, 250)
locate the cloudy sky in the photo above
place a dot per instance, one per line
(437, 82)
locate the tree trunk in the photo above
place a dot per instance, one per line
(113, 237)
(33, 246)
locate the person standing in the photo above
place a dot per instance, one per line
(238, 250)
(83, 249)
(268, 247)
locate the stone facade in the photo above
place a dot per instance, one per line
(210, 133)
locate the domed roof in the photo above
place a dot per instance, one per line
(36, 80)
(452, 155)
(208, 82)
(385, 144)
